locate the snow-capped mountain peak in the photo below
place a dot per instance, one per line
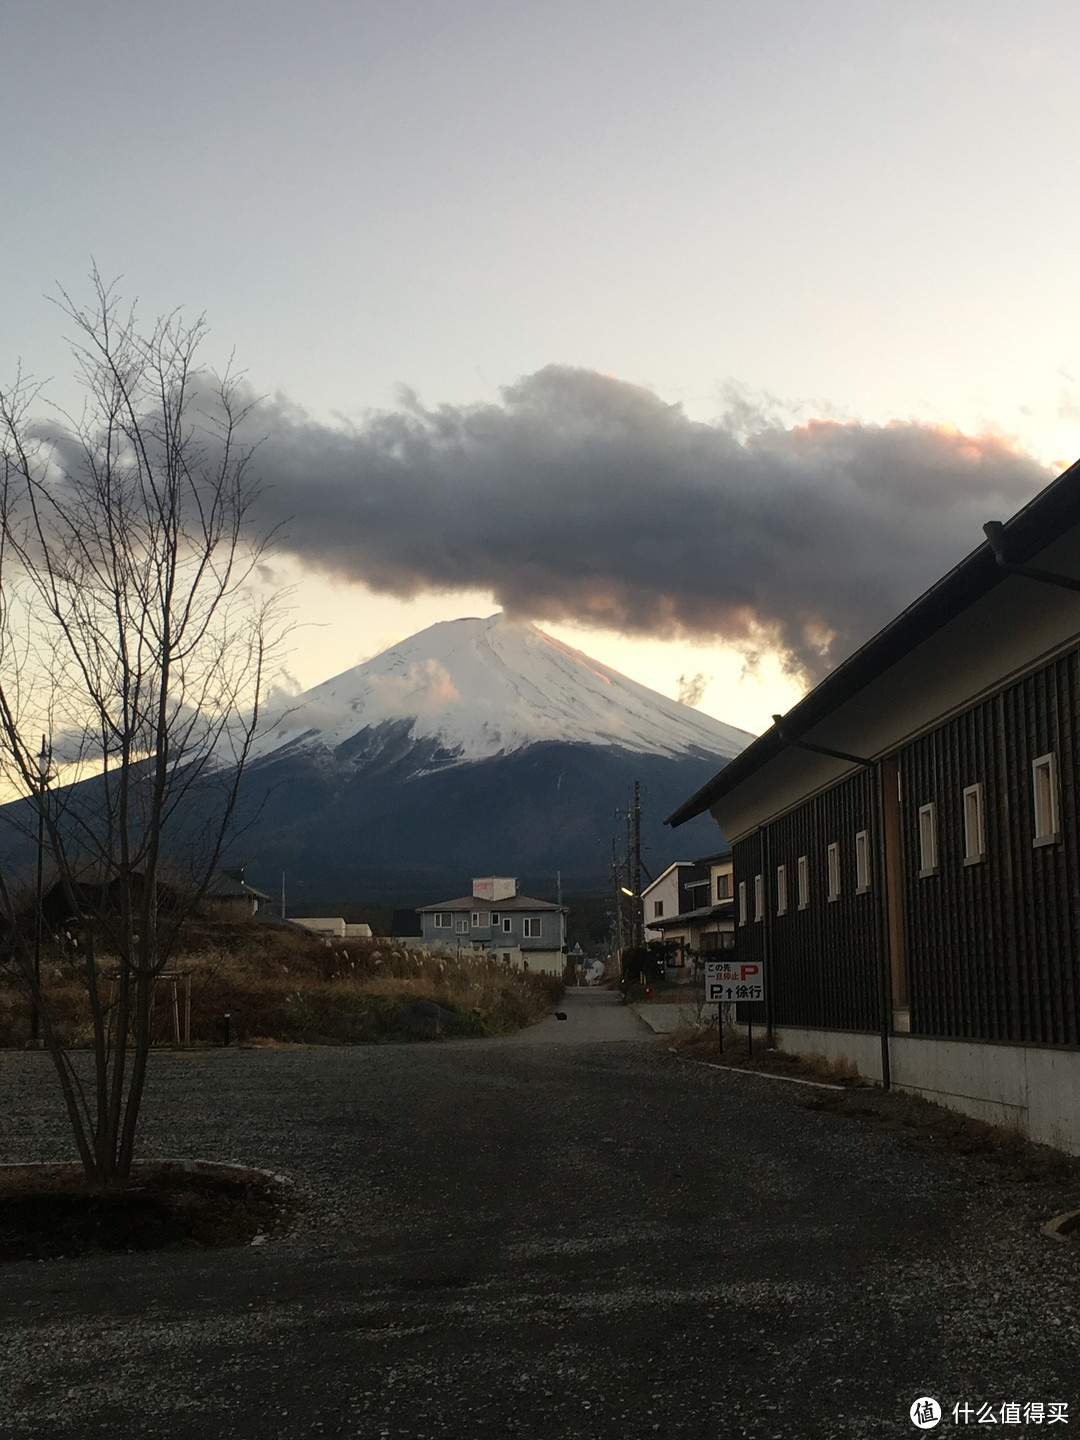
(484, 687)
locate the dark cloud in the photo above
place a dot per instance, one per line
(583, 498)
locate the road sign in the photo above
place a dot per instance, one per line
(728, 980)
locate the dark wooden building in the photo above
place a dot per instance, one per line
(907, 841)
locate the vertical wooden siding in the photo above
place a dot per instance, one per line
(824, 961)
(993, 946)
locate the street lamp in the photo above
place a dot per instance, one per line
(43, 760)
(637, 917)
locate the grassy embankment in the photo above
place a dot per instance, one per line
(279, 986)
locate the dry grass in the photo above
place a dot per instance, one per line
(921, 1121)
(940, 1128)
(279, 986)
(701, 1043)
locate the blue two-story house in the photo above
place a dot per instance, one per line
(499, 922)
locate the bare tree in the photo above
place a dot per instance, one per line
(131, 633)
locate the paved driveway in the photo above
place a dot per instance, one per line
(549, 1236)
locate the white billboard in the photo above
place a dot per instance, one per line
(730, 980)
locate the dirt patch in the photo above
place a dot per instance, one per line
(47, 1211)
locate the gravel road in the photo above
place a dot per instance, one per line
(565, 1234)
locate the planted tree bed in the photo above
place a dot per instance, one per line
(47, 1211)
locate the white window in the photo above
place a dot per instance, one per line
(463, 927)
(658, 909)
(759, 897)
(495, 918)
(507, 924)
(742, 902)
(781, 889)
(862, 862)
(834, 871)
(1044, 782)
(974, 825)
(723, 887)
(531, 927)
(803, 870)
(479, 919)
(443, 920)
(927, 840)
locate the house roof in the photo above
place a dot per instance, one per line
(677, 865)
(1053, 510)
(472, 902)
(224, 887)
(707, 912)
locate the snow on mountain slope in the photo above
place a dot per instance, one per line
(488, 687)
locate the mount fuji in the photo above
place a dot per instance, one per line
(482, 688)
(478, 746)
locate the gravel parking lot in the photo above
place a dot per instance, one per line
(565, 1234)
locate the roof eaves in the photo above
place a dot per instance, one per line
(706, 912)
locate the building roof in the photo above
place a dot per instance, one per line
(471, 902)
(724, 909)
(1053, 510)
(677, 865)
(224, 887)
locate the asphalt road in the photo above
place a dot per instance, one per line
(566, 1234)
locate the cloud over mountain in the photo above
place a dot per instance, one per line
(581, 497)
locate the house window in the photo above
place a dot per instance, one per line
(480, 919)
(759, 897)
(531, 927)
(507, 924)
(833, 854)
(463, 927)
(506, 957)
(742, 902)
(495, 918)
(974, 825)
(657, 909)
(803, 871)
(1044, 782)
(443, 920)
(781, 889)
(927, 840)
(862, 862)
(723, 887)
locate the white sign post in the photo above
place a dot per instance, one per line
(733, 980)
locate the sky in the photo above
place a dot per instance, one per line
(703, 334)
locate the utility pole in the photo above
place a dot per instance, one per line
(635, 882)
(283, 894)
(616, 896)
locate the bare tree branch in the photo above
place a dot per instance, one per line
(127, 560)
